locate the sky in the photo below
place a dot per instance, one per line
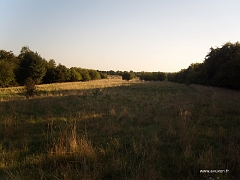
(138, 35)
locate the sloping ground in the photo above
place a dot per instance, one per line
(15, 93)
(140, 130)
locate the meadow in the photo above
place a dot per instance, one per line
(115, 129)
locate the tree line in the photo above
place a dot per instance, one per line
(221, 67)
(146, 76)
(16, 70)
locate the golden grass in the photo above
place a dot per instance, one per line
(63, 89)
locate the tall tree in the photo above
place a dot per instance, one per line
(221, 65)
(8, 56)
(220, 68)
(31, 65)
(75, 75)
(85, 74)
(8, 64)
(62, 73)
(50, 76)
(94, 74)
(6, 73)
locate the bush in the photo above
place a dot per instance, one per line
(75, 75)
(103, 75)
(6, 73)
(85, 75)
(30, 87)
(153, 76)
(94, 74)
(127, 76)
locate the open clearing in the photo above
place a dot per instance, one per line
(114, 129)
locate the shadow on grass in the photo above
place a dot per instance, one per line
(156, 130)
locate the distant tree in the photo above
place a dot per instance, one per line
(119, 73)
(7, 76)
(152, 76)
(50, 76)
(94, 74)
(8, 65)
(147, 76)
(195, 74)
(62, 73)
(171, 77)
(51, 64)
(51, 72)
(111, 72)
(85, 74)
(31, 65)
(103, 75)
(75, 75)
(127, 75)
(161, 76)
(8, 56)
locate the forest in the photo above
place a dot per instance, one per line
(220, 68)
(15, 70)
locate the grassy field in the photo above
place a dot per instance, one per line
(114, 129)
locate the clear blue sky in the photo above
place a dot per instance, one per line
(138, 35)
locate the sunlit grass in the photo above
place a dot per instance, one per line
(114, 129)
(62, 89)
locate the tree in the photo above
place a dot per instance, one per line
(6, 73)
(103, 75)
(75, 75)
(127, 75)
(194, 74)
(153, 76)
(161, 76)
(62, 73)
(31, 65)
(147, 76)
(94, 74)
(8, 57)
(85, 74)
(51, 64)
(221, 66)
(51, 74)
(8, 64)
(111, 72)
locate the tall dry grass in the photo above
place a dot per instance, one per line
(127, 130)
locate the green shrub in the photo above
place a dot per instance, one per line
(30, 87)
(127, 76)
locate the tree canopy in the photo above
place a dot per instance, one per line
(127, 75)
(31, 65)
(16, 70)
(221, 67)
